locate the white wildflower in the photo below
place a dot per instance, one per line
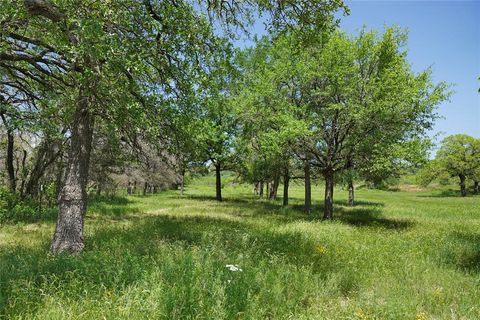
(233, 267)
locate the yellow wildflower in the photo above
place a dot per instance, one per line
(321, 249)
(421, 316)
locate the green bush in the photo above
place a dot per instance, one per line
(15, 209)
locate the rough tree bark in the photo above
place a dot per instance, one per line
(218, 181)
(68, 235)
(328, 205)
(463, 188)
(286, 183)
(351, 193)
(308, 189)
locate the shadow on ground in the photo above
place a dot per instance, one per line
(465, 255)
(363, 214)
(450, 193)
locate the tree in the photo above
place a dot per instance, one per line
(459, 156)
(361, 92)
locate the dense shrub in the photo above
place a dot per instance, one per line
(15, 209)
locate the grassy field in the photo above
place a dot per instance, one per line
(396, 255)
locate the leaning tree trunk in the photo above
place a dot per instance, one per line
(476, 187)
(218, 181)
(308, 189)
(328, 206)
(286, 183)
(68, 235)
(463, 188)
(351, 193)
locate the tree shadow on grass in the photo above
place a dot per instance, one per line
(363, 214)
(371, 217)
(450, 193)
(465, 255)
(114, 207)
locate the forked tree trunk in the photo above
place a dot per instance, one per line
(476, 187)
(328, 206)
(351, 193)
(218, 181)
(286, 183)
(68, 235)
(463, 188)
(308, 189)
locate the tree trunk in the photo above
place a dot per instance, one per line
(328, 205)
(286, 182)
(48, 152)
(145, 188)
(24, 172)
(351, 193)
(308, 189)
(129, 188)
(463, 188)
(68, 235)
(274, 187)
(256, 188)
(9, 159)
(261, 189)
(218, 181)
(476, 187)
(182, 182)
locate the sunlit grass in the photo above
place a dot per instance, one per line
(396, 255)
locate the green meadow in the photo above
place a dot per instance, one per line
(395, 255)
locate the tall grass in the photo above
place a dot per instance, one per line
(396, 255)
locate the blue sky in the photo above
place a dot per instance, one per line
(443, 35)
